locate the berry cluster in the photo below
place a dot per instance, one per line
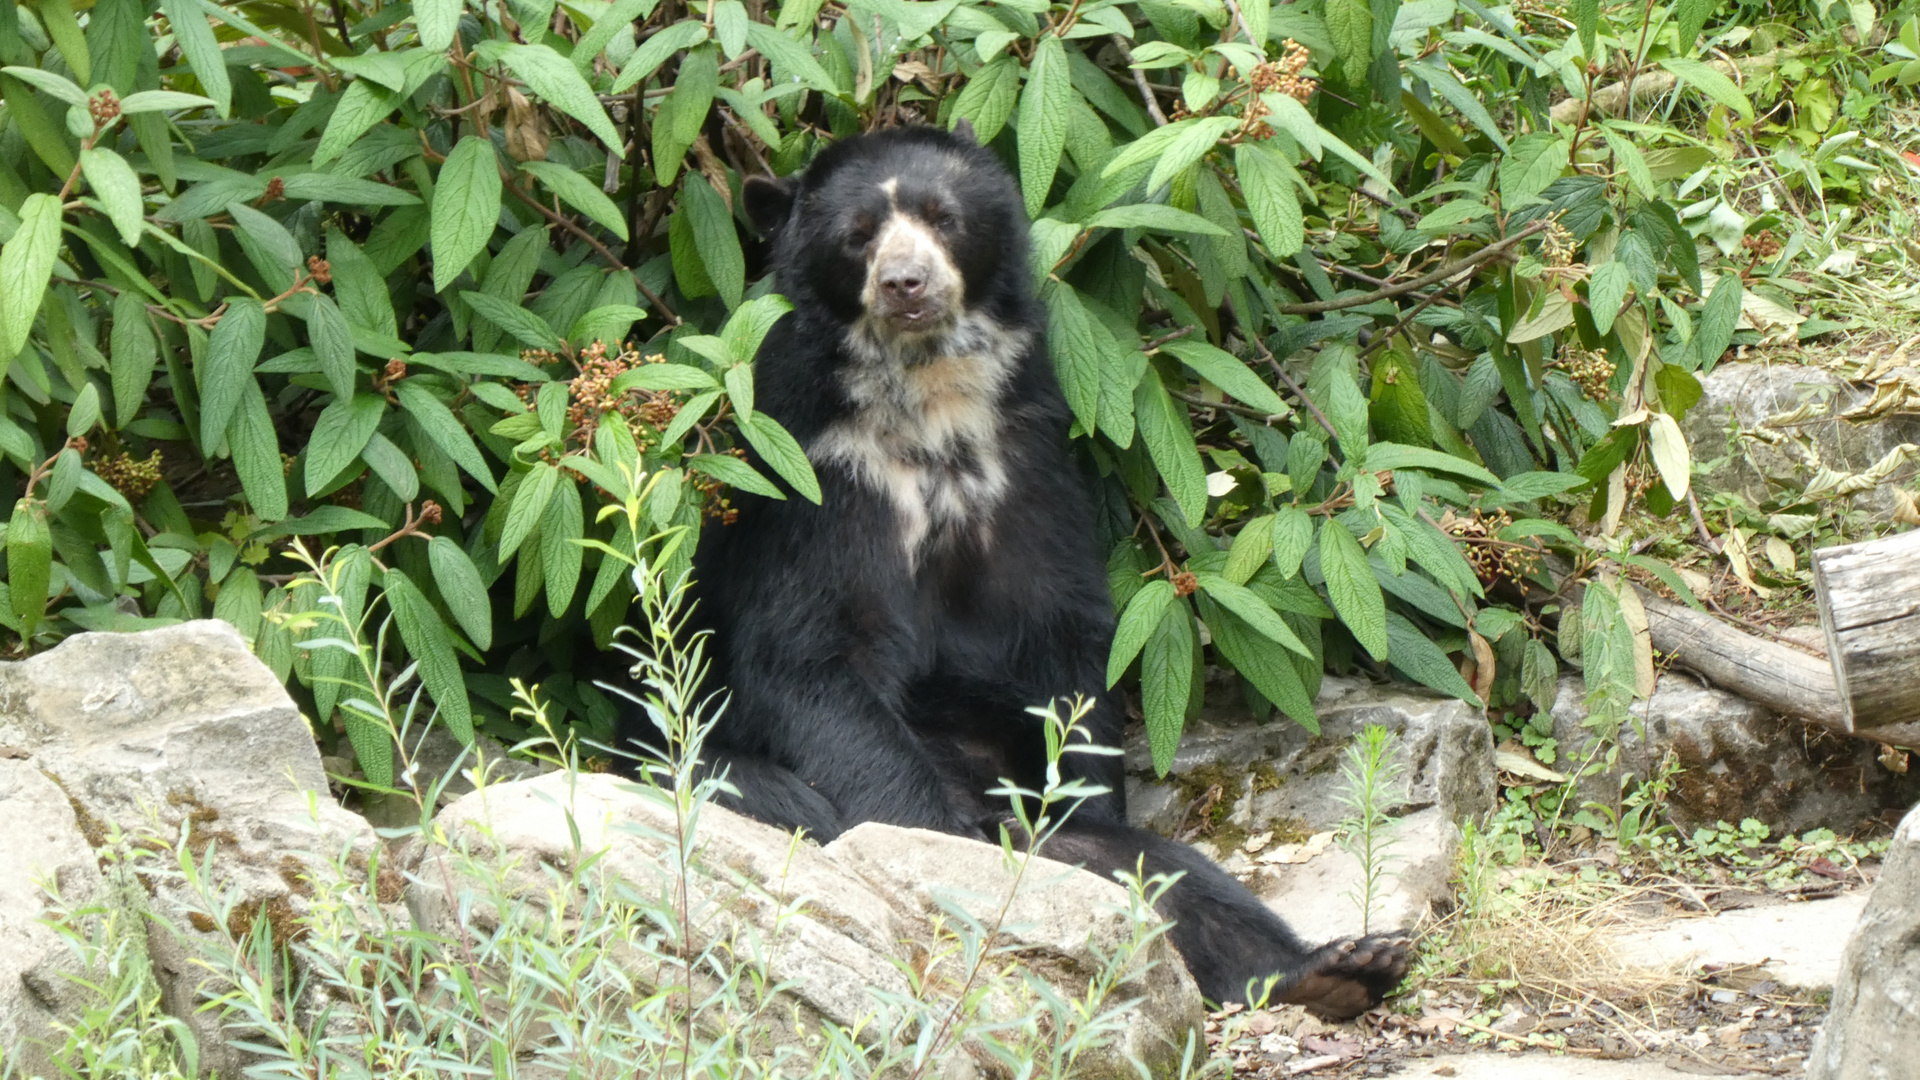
(1283, 75)
(1761, 245)
(714, 502)
(1493, 560)
(1589, 370)
(128, 475)
(317, 267)
(1556, 244)
(104, 107)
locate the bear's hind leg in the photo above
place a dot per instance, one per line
(1229, 939)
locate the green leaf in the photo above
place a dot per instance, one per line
(392, 466)
(733, 472)
(747, 327)
(1606, 291)
(739, 380)
(1350, 28)
(118, 189)
(1690, 17)
(1076, 354)
(351, 190)
(29, 561)
(1709, 81)
(255, 446)
(437, 20)
(133, 353)
(1352, 589)
(431, 646)
(1416, 655)
(1534, 161)
(84, 412)
(617, 17)
(161, 101)
(779, 450)
(269, 246)
(1292, 536)
(1270, 670)
(364, 104)
(1137, 623)
(716, 239)
(988, 98)
(444, 430)
(357, 287)
(1164, 427)
(1166, 682)
(1670, 455)
(1271, 201)
(580, 193)
(528, 507)
(790, 58)
(51, 83)
(676, 123)
(553, 78)
(1155, 216)
(1229, 373)
(194, 35)
(26, 265)
(655, 50)
(1719, 317)
(1252, 549)
(663, 377)
(526, 327)
(463, 590)
(227, 367)
(466, 207)
(1382, 456)
(339, 435)
(332, 342)
(1253, 611)
(1586, 23)
(1044, 111)
(560, 557)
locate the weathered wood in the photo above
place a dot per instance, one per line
(1869, 596)
(1768, 673)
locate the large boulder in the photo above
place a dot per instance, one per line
(1264, 798)
(179, 728)
(1737, 760)
(1740, 397)
(837, 926)
(1871, 1031)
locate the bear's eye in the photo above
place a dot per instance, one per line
(942, 220)
(859, 234)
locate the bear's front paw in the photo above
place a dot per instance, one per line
(1346, 978)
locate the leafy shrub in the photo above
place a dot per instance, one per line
(1340, 300)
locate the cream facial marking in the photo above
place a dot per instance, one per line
(926, 433)
(912, 285)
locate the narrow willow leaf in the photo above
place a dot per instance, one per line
(26, 264)
(49, 82)
(342, 431)
(466, 207)
(118, 188)
(133, 352)
(1044, 113)
(1142, 615)
(1229, 373)
(1252, 610)
(227, 368)
(1166, 682)
(617, 17)
(1075, 351)
(431, 646)
(392, 466)
(1414, 654)
(357, 287)
(84, 412)
(655, 50)
(1252, 549)
(161, 101)
(677, 121)
(364, 104)
(791, 59)
(462, 589)
(524, 325)
(1352, 588)
(1269, 670)
(578, 192)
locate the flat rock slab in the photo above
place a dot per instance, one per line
(1495, 1066)
(1799, 944)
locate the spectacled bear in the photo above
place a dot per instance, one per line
(883, 646)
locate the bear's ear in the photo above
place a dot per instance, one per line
(768, 201)
(964, 132)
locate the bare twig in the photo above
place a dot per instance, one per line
(1452, 269)
(593, 241)
(1140, 81)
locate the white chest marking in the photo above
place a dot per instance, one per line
(926, 432)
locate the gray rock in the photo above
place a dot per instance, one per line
(1741, 396)
(177, 727)
(1281, 789)
(45, 849)
(869, 901)
(1737, 760)
(1870, 1032)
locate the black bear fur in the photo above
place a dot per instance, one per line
(882, 647)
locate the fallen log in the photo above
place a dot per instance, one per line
(1768, 673)
(1869, 596)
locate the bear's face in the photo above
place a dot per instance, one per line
(897, 233)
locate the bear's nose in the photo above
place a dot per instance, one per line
(904, 283)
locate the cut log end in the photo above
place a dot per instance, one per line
(1869, 598)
